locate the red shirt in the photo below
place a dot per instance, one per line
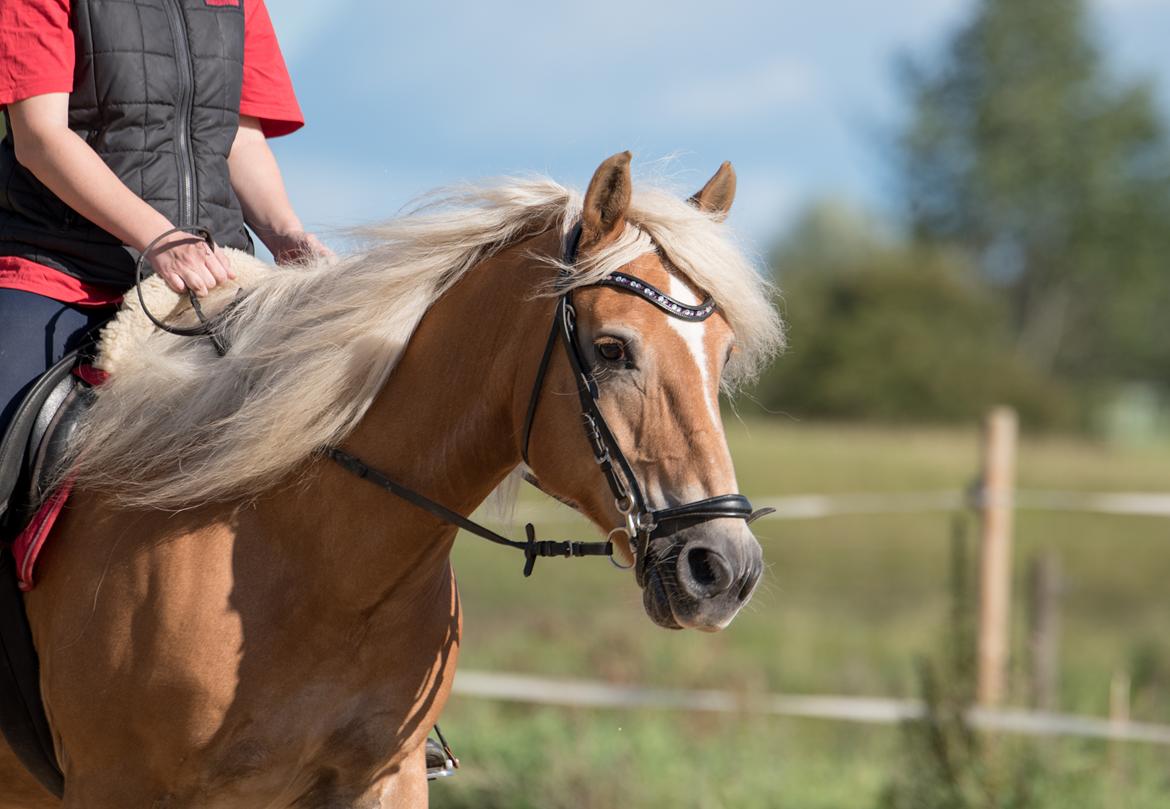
(37, 57)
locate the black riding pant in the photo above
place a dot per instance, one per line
(35, 332)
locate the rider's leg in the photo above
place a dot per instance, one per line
(35, 332)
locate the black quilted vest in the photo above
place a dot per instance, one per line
(157, 95)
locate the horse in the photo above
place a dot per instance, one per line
(226, 617)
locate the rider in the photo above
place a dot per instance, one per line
(124, 119)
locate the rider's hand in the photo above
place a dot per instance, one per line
(186, 261)
(295, 247)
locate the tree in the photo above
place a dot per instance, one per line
(1024, 151)
(885, 330)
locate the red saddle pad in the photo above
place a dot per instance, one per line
(28, 544)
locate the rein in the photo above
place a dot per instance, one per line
(532, 547)
(206, 326)
(642, 523)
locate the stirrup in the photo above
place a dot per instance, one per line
(441, 762)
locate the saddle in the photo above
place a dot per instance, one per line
(30, 451)
(37, 438)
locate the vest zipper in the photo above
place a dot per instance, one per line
(183, 110)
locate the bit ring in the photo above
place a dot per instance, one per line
(633, 553)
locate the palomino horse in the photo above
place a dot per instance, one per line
(227, 618)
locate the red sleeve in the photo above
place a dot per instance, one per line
(268, 92)
(36, 49)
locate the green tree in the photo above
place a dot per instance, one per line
(1023, 150)
(884, 330)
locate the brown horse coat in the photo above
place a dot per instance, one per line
(292, 648)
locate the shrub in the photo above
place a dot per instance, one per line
(900, 334)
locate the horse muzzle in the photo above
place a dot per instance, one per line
(701, 576)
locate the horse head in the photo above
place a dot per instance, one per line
(656, 380)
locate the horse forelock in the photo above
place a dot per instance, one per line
(312, 345)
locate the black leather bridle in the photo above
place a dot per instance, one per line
(641, 522)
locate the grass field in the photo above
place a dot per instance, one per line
(850, 604)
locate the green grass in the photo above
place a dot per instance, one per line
(849, 604)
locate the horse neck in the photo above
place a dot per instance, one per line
(448, 422)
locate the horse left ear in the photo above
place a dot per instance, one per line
(603, 214)
(717, 195)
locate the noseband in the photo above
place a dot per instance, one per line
(641, 522)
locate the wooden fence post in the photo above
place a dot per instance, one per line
(995, 555)
(1045, 587)
(1119, 699)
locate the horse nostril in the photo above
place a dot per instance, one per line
(749, 584)
(708, 570)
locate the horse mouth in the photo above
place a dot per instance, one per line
(656, 599)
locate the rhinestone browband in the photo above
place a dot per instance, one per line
(685, 311)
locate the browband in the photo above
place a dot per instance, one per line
(683, 311)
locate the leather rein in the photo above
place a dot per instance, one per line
(641, 522)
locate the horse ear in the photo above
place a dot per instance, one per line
(603, 216)
(717, 195)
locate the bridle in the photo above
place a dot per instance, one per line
(642, 523)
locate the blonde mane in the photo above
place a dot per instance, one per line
(176, 425)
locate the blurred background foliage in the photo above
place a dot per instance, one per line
(885, 328)
(854, 604)
(1024, 265)
(1028, 264)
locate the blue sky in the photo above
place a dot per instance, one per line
(401, 98)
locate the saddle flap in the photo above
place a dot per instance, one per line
(48, 448)
(32, 418)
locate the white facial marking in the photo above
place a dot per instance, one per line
(693, 334)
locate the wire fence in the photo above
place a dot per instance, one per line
(994, 497)
(533, 690)
(820, 506)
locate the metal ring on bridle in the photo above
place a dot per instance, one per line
(629, 542)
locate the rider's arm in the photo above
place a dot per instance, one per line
(258, 184)
(68, 167)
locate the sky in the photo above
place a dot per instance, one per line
(401, 98)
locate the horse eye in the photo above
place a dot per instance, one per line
(611, 350)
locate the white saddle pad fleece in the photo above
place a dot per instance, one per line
(127, 339)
